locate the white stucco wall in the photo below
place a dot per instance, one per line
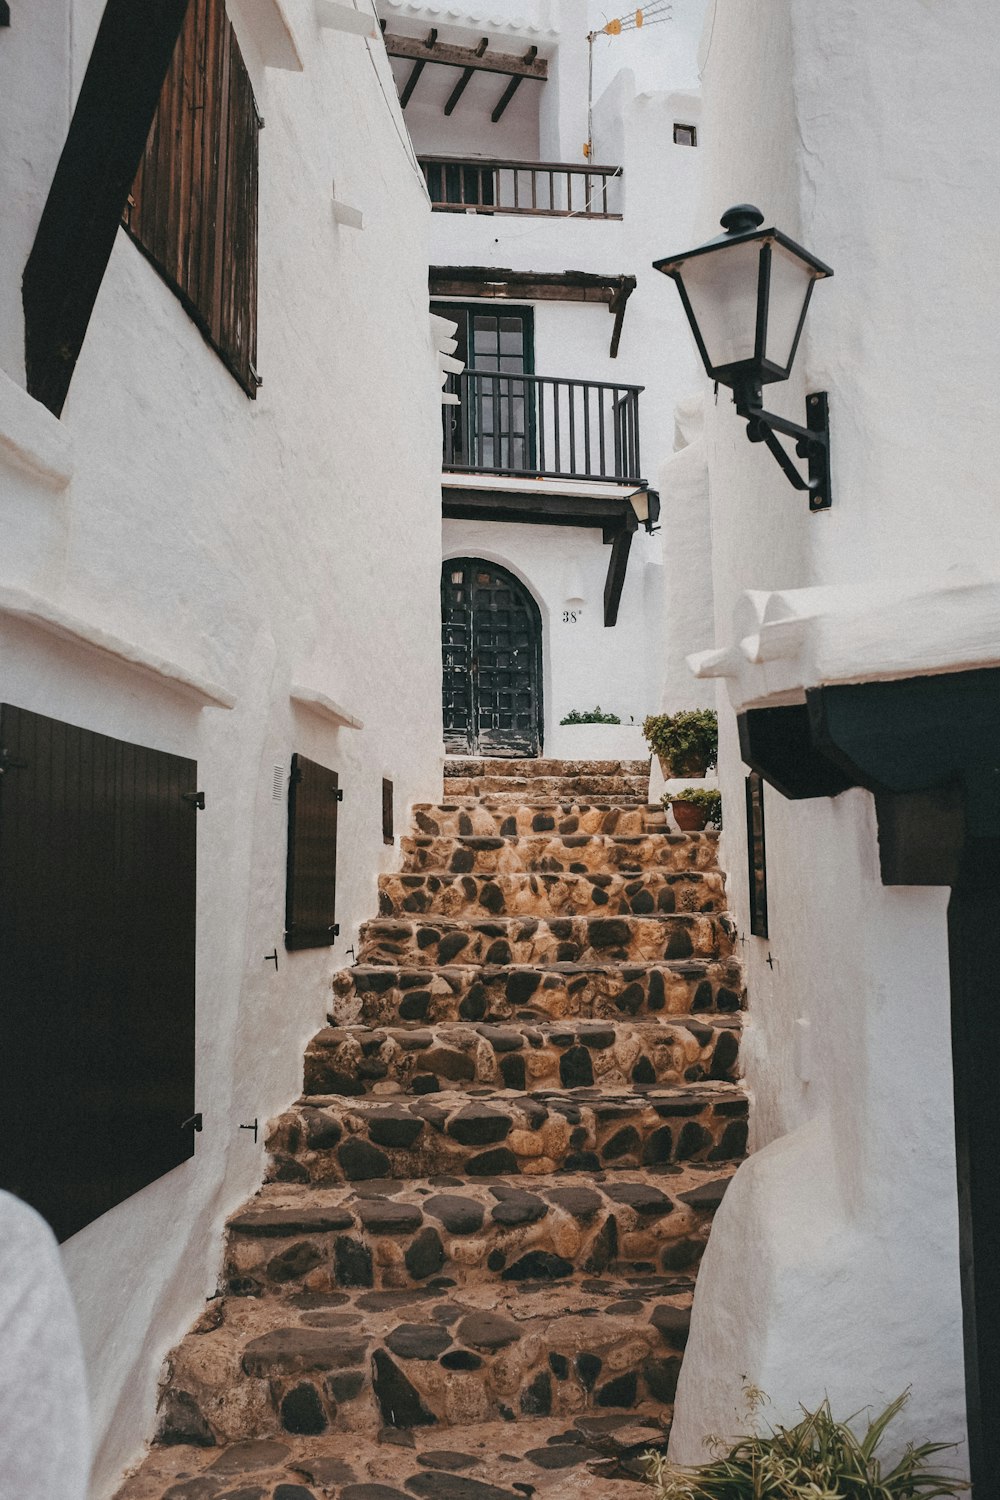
(259, 545)
(833, 1263)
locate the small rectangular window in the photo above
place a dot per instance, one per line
(685, 135)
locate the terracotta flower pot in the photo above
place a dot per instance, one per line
(689, 817)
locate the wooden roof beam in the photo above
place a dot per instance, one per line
(463, 82)
(617, 567)
(412, 48)
(512, 87)
(416, 70)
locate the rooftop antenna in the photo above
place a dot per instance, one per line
(651, 14)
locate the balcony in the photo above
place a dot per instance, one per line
(542, 427)
(460, 185)
(539, 449)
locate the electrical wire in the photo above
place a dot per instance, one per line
(393, 105)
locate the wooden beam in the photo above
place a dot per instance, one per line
(415, 50)
(512, 87)
(607, 515)
(615, 581)
(463, 82)
(617, 307)
(535, 286)
(107, 136)
(416, 70)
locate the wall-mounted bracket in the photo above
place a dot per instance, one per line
(812, 441)
(194, 1122)
(196, 799)
(252, 1127)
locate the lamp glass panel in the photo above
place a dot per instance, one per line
(722, 289)
(790, 280)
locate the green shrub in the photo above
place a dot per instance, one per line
(818, 1459)
(589, 716)
(688, 741)
(706, 797)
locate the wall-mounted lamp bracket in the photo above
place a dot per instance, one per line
(812, 441)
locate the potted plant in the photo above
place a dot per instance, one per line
(590, 716)
(817, 1457)
(685, 743)
(695, 808)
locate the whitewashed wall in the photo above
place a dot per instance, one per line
(253, 544)
(833, 1264)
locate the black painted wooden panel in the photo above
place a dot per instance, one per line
(388, 832)
(97, 932)
(311, 888)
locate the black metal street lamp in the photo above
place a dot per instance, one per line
(746, 294)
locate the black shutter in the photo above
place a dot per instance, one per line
(311, 889)
(97, 936)
(388, 835)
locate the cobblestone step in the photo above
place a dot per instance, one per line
(548, 786)
(357, 1060)
(534, 768)
(386, 1235)
(588, 1454)
(431, 1356)
(546, 940)
(514, 815)
(578, 853)
(479, 1132)
(389, 994)
(538, 894)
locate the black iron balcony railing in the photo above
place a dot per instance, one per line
(466, 185)
(543, 427)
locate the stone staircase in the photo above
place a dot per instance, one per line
(470, 1273)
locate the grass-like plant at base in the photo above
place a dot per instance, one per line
(817, 1459)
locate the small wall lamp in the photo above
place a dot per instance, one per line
(746, 294)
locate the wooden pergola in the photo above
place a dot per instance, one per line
(468, 60)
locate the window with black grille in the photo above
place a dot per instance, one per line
(314, 797)
(193, 206)
(97, 948)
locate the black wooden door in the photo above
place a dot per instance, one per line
(492, 661)
(97, 937)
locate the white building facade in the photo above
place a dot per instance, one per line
(224, 581)
(541, 255)
(842, 1254)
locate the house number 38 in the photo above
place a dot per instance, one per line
(570, 616)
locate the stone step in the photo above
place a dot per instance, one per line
(433, 942)
(387, 1235)
(548, 1458)
(498, 1133)
(578, 853)
(561, 787)
(510, 817)
(430, 1356)
(387, 994)
(359, 1060)
(542, 767)
(538, 894)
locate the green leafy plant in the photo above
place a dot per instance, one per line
(817, 1459)
(704, 797)
(590, 716)
(687, 742)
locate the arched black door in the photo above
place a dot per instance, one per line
(491, 634)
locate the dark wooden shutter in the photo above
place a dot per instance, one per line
(388, 834)
(311, 889)
(193, 206)
(97, 936)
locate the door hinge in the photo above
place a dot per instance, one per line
(193, 1123)
(338, 792)
(197, 799)
(8, 763)
(335, 930)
